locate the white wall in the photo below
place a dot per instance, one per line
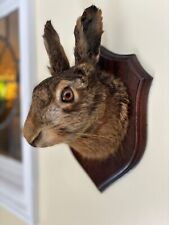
(67, 196)
(7, 218)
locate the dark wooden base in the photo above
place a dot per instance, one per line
(138, 82)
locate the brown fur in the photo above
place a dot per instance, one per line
(95, 123)
(55, 50)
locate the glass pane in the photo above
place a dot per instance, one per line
(10, 132)
(2, 28)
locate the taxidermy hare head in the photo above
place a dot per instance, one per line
(80, 105)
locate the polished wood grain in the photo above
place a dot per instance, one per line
(138, 81)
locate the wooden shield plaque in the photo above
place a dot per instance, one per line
(138, 82)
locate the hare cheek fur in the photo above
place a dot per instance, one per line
(95, 121)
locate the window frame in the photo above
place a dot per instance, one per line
(19, 180)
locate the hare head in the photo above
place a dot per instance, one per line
(80, 105)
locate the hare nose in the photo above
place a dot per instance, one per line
(31, 130)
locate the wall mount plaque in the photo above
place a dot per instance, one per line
(138, 81)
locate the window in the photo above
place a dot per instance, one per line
(10, 132)
(18, 162)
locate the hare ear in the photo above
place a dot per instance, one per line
(88, 32)
(57, 56)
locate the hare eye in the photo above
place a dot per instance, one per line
(67, 95)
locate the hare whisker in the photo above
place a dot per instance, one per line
(95, 136)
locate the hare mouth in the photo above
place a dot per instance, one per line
(36, 140)
(46, 138)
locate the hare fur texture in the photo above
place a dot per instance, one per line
(81, 105)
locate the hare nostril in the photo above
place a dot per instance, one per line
(35, 140)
